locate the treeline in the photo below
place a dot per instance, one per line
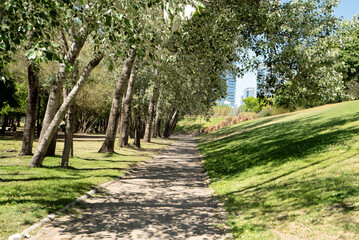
(134, 68)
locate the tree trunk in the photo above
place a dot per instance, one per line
(158, 127)
(31, 111)
(151, 110)
(4, 124)
(39, 155)
(18, 120)
(173, 122)
(166, 124)
(155, 126)
(56, 88)
(121, 85)
(126, 110)
(137, 137)
(68, 145)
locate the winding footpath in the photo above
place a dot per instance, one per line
(166, 198)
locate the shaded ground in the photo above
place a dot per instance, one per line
(165, 199)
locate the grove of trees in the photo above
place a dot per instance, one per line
(133, 69)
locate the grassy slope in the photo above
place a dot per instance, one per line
(291, 176)
(29, 194)
(193, 124)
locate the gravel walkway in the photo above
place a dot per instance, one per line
(166, 198)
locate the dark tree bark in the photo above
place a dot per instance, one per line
(4, 124)
(158, 127)
(126, 111)
(166, 125)
(151, 110)
(18, 120)
(31, 111)
(137, 126)
(39, 155)
(121, 85)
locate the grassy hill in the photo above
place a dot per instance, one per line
(291, 176)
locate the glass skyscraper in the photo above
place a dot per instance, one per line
(230, 99)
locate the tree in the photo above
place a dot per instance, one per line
(121, 85)
(348, 54)
(52, 128)
(126, 111)
(298, 48)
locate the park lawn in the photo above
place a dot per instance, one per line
(191, 125)
(291, 176)
(29, 194)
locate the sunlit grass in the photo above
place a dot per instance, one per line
(292, 176)
(29, 194)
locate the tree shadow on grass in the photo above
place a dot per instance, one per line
(276, 143)
(317, 198)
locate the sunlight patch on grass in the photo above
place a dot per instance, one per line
(292, 176)
(29, 194)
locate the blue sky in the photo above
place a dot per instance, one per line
(347, 9)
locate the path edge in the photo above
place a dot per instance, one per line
(216, 199)
(49, 218)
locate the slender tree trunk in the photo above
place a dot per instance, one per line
(39, 155)
(151, 110)
(18, 120)
(158, 128)
(121, 85)
(126, 110)
(4, 124)
(173, 122)
(31, 111)
(68, 134)
(131, 130)
(166, 127)
(155, 126)
(137, 137)
(57, 85)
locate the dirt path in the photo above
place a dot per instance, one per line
(165, 199)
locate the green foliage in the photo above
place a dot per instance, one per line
(256, 105)
(301, 53)
(272, 111)
(348, 53)
(192, 125)
(29, 194)
(278, 174)
(223, 110)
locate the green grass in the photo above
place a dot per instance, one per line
(29, 194)
(191, 125)
(291, 176)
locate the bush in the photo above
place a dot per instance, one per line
(256, 104)
(271, 111)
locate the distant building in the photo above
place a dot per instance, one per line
(248, 92)
(230, 99)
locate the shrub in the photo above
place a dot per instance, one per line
(271, 111)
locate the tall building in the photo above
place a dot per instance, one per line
(230, 99)
(248, 92)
